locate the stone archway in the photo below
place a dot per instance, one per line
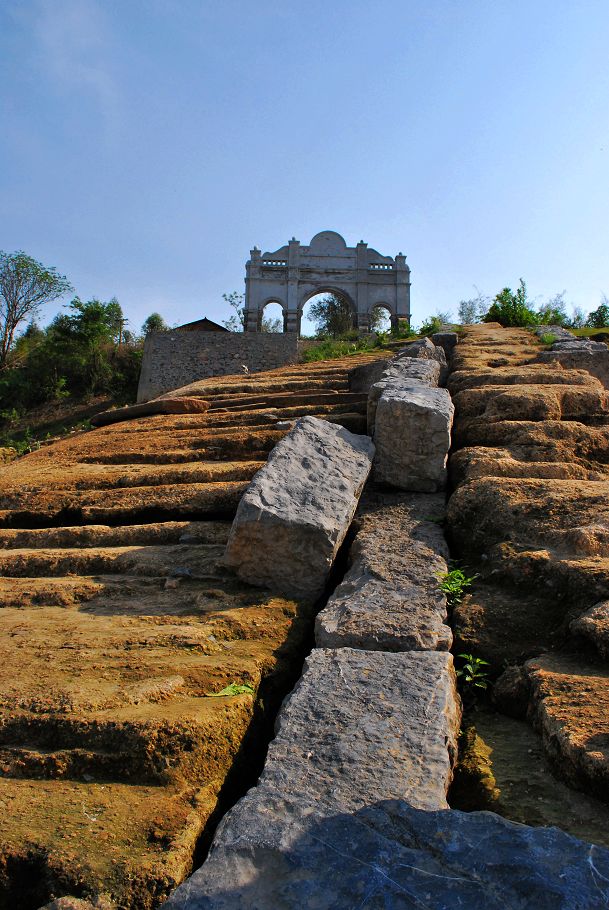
(295, 272)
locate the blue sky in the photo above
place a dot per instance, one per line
(147, 145)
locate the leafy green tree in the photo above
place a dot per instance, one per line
(332, 316)
(154, 323)
(380, 320)
(81, 343)
(434, 323)
(25, 285)
(512, 308)
(599, 318)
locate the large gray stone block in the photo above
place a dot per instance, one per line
(295, 513)
(366, 725)
(426, 350)
(281, 852)
(390, 598)
(412, 430)
(406, 372)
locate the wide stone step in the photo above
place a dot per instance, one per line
(168, 532)
(534, 402)
(212, 445)
(569, 705)
(152, 561)
(534, 374)
(92, 477)
(99, 506)
(175, 739)
(290, 399)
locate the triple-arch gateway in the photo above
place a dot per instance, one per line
(294, 273)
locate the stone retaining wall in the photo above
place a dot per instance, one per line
(175, 359)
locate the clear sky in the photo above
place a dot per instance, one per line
(147, 145)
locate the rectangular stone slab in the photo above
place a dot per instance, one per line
(390, 598)
(295, 513)
(412, 436)
(367, 725)
(405, 372)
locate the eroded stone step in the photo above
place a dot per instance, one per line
(461, 380)
(99, 506)
(92, 477)
(502, 623)
(169, 532)
(151, 561)
(533, 402)
(568, 701)
(531, 462)
(290, 399)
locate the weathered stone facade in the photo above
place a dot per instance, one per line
(175, 359)
(294, 273)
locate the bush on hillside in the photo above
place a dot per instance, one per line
(512, 308)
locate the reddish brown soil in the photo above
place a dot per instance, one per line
(118, 625)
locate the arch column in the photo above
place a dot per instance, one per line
(363, 322)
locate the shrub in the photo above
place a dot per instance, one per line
(512, 308)
(599, 319)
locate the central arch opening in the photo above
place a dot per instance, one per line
(327, 314)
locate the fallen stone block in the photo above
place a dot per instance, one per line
(275, 851)
(363, 377)
(558, 332)
(412, 430)
(425, 350)
(405, 372)
(365, 725)
(593, 625)
(390, 598)
(149, 409)
(296, 511)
